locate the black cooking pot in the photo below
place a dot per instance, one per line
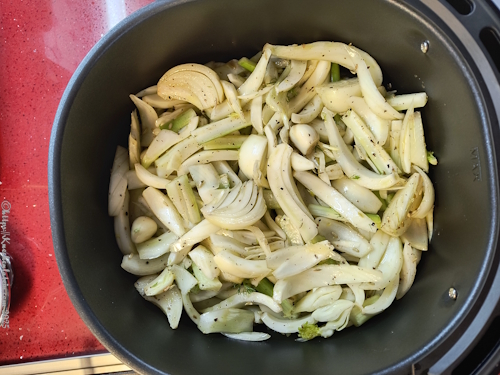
(420, 45)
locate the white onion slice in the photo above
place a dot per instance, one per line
(428, 200)
(323, 275)
(118, 181)
(352, 168)
(317, 298)
(243, 299)
(149, 179)
(248, 336)
(337, 96)
(239, 267)
(332, 51)
(411, 257)
(122, 228)
(386, 299)
(336, 201)
(148, 119)
(298, 68)
(164, 210)
(286, 326)
(309, 112)
(358, 195)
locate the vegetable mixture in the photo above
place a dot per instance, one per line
(289, 189)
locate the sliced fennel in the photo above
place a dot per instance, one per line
(274, 191)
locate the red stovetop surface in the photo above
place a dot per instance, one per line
(41, 44)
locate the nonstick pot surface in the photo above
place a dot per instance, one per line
(94, 117)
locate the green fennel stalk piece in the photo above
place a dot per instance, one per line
(247, 64)
(335, 73)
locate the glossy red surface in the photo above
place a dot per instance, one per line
(41, 45)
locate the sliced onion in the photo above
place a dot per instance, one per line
(406, 134)
(231, 96)
(203, 69)
(416, 235)
(396, 219)
(229, 218)
(122, 228)
(404, 102)
(378, 126)
(359, 294)
(300, 163)
(148, 118)
(304, 137)
(221, 128)
(239, 267)
(332, 51)
(207, 181)
(248, 336)
(147, 91)
(156, 247)
(134, 140)
(379, 243)
(429, 218)
(358, 195)
(150, 179)
(253, 149)
(299, 258)
(254, 81)
(365, 138)
(194, 83)
(161, 143)
(288, 201)
(286, 326)
(164, 210)
(170, 302)
(309, 112)
(223, 168)
(336, 96)
(160, 284)
(156, 101)
(197, 234)
(418, 153)
(427, 203)
(332, 312)
(343, 237)
(243, 299)
(310, 68)
(385, 299)
(372, 96)
(227, 321)
(204, 157)
(298, 68)
(235, 79)
(336, 201)
(317, 298)
(118, 181)
(390, 265)
(411, 257)
(173, 158)
(256, 115)
(323, 275)
(189, 308)
(306, 92)
(352, 168)
(142, 267)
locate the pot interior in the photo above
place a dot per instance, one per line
(95, 117)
